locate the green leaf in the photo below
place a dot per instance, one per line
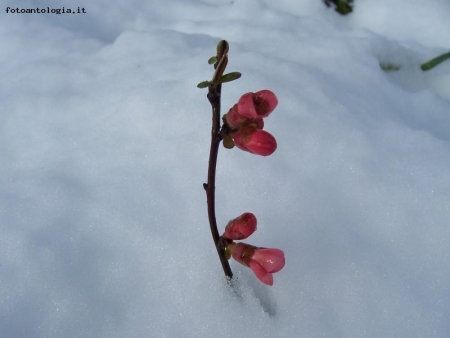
(228, 142)
(389, 67)
(204, 84)
(343, 8)
(229, 77)
(212, 60)
(227, 252)
(434, 62)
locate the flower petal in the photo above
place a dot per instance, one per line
(259, 104)
(269, 97)
(243, 253)
(233, 118)
(261, 273)
(272, 260)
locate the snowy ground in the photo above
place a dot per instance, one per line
(104, 142)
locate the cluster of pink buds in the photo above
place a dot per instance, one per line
(262, 261)
(245, 120)
(242, 127)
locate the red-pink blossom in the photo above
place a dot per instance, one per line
(236, 120)
(240, 227)
(255, 141)
(262, 261)
(259, 104)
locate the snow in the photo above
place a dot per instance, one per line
(104, 142)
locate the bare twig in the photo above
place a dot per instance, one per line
(216, 137)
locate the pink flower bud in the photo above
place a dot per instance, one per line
(233, 118)
(236, 120)
(255, 141)
(263, 262)
(259, 104)
(240, 227)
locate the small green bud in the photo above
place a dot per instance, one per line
(222, 48)
(229, 250)
(227, 253)
(228, 142)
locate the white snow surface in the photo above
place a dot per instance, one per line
(104, 144)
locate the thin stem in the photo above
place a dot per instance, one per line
(214, 99)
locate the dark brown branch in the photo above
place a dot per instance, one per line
(214, 98)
